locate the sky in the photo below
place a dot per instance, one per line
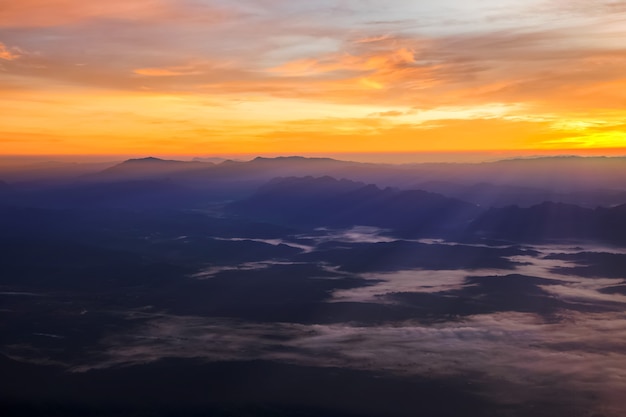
(202, 77)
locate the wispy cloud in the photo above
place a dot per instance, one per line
(544, 59)
(510, 354)
(9, 54)
(167, 72)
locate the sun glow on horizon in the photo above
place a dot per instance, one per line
(166, 77)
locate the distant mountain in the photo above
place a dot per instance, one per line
(264, 169)
(589, 182)
(325, 201)
(535, 177)
(228, 180)
(213, 160)
(553, 221)
(544, 175)
(492, 195)
(530, 181)
(147, 168)
(563, 173)
(243, 175)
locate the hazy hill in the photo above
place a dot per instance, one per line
(553, 221)
(529, 181)
(264, 169)
(563, 173)
(225, 180)
(145, 168)
(214, 160)
(330, 202)
(492, 195)
(547, 174)
(588, 182)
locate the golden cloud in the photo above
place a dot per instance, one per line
(166, 72)
(9, 54)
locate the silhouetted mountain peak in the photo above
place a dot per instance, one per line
(294, 158)
(150, 160)
(231, 162)
(149, 167)
(146, 159)
(213, 160)
(540, 158)
(285, 160)
(158, 162)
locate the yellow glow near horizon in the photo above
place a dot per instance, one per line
(109, 123)
(216, 79)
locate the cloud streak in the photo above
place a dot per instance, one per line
(514, 354)
(9, 54)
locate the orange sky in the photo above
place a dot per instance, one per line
(182, 77)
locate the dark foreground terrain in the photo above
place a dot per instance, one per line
(169, 290)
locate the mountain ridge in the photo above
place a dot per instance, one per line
(326, 201)
(553, 221)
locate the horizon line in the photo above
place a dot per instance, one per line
(398, 158)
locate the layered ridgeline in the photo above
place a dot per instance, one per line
(580, 198)
(553, 221)
(588, 182)
(327, 202)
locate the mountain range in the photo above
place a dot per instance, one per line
(325, 201)
(553, 221)
(581, 197)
